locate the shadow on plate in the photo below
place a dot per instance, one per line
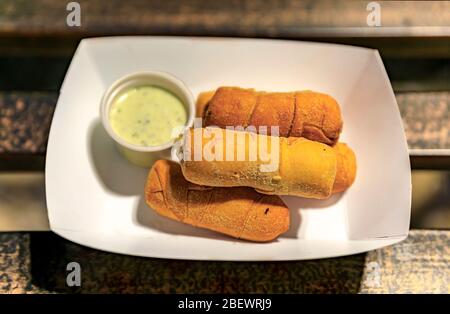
(310, 203)
(298, 204)
(115, 173)
(294, 225)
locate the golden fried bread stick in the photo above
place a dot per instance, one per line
(272, 165)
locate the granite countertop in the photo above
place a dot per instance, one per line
(36, 263)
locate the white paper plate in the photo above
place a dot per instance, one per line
(95, 197)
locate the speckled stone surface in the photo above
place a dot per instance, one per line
(25, 120)
(36, 263)
(426, 119)
(420, 264)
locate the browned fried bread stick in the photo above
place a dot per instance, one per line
(312, 115)
(240, 212)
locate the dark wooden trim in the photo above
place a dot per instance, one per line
(260, 18)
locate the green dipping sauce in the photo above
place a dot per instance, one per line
(146, 115)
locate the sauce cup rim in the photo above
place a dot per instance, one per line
(115, 87)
